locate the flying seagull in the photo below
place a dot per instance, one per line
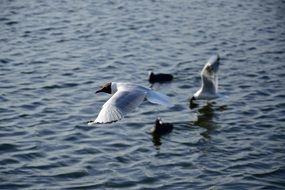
(125, 98)
(209, 76)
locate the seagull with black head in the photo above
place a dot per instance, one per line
(125, 98)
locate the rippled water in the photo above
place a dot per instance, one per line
(55, 54)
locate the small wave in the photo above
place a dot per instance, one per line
(29, 155)
(59, 86)
(6, 60)
(14, 185)
(10, 23)
(277, 171)
(31, 106)
(7, 147)
(8, 161)
(74, 174)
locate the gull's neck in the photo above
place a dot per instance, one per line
(114, 87)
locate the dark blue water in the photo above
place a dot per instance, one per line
(55, 54)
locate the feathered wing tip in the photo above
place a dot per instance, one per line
(158, 98)
(109, 114)
(214, 58)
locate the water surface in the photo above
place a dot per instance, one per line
(56, 54)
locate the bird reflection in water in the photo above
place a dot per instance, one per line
(160, 128)
(206, 116)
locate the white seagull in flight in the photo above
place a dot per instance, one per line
(209, 76)
(126, 97)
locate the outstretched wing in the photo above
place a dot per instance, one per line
(121, 103)
(158, 98)
(209, 74)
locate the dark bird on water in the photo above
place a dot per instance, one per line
(159, 77)
(161, 128)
